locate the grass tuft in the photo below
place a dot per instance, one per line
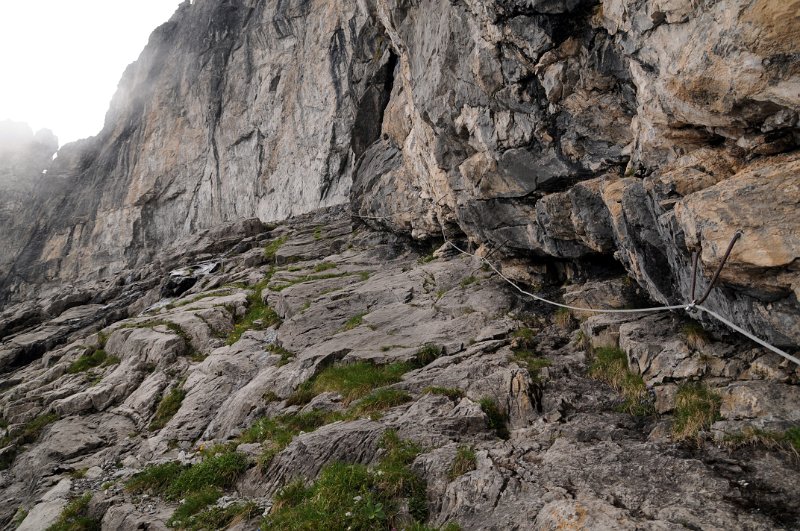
(427, 353)
(155, 479)
(355, 496)
(563, 319)
(465, 461)
(90, 359)
(355, 380)
(531, 361)
(223, 518)
(324, 266)
(496, 420)
(468, 281)
(219, 471)
(259, 316)
(197, 486)
(696, 335)
(75, 516)
(380, 400)
(611, 366)
(169, 405)
(27, 434)
(354, 321)
(191, 505)
(271, 249)
(696, 408)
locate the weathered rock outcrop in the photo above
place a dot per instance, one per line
(234, 110)
(564, 130)
(668, 115)
(235, 353)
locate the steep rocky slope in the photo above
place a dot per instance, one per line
(321, 342)
(560, 131)
(170, 359)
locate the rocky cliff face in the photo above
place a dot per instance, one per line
(640, 129)
(23, 158)
(234, 110)
(158, 336)
(558, 129)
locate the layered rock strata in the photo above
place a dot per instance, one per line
(567, 454)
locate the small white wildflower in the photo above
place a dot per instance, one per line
(379, 473)
(357, 498)
(348, 514)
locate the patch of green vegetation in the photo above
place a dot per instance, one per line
(276, 433)
(355, 496)
(427, 258)
(468, 281)
(427, 353)
(324, 266)
(440, 293)
(169, 405)
(563, 319)
(192, 504)
(354, 321)
(222, 518)
(271, 249)
(610, 365)
(30, 431)
(531, 361)
(355, 380)
(78, 473)
(449, 392)
(465, 461)
(788, 440)
(525, 338)
(496, 420)
(90, 359)
(696, 335)
(364, 275)
(155, 479)
(302, 395)
(75, 516)
(387, 348)
(286, 355)
(198, 486)
(380, 400)
(19, 517)
(102, 339)
(318, 233)
(258, 316)
(696, 408)
(174, 481)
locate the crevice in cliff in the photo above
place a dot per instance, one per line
(369, 116)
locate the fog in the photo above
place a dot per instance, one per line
(60, 61)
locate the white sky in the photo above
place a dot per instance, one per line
(61, 60)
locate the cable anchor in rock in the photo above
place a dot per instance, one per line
(695, 302)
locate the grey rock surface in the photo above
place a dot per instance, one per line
(570, 457)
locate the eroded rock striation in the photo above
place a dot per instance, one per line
(163, 328)
(562, 131)
(319, 342)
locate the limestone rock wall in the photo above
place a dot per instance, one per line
(566, 129)
(235, 109)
